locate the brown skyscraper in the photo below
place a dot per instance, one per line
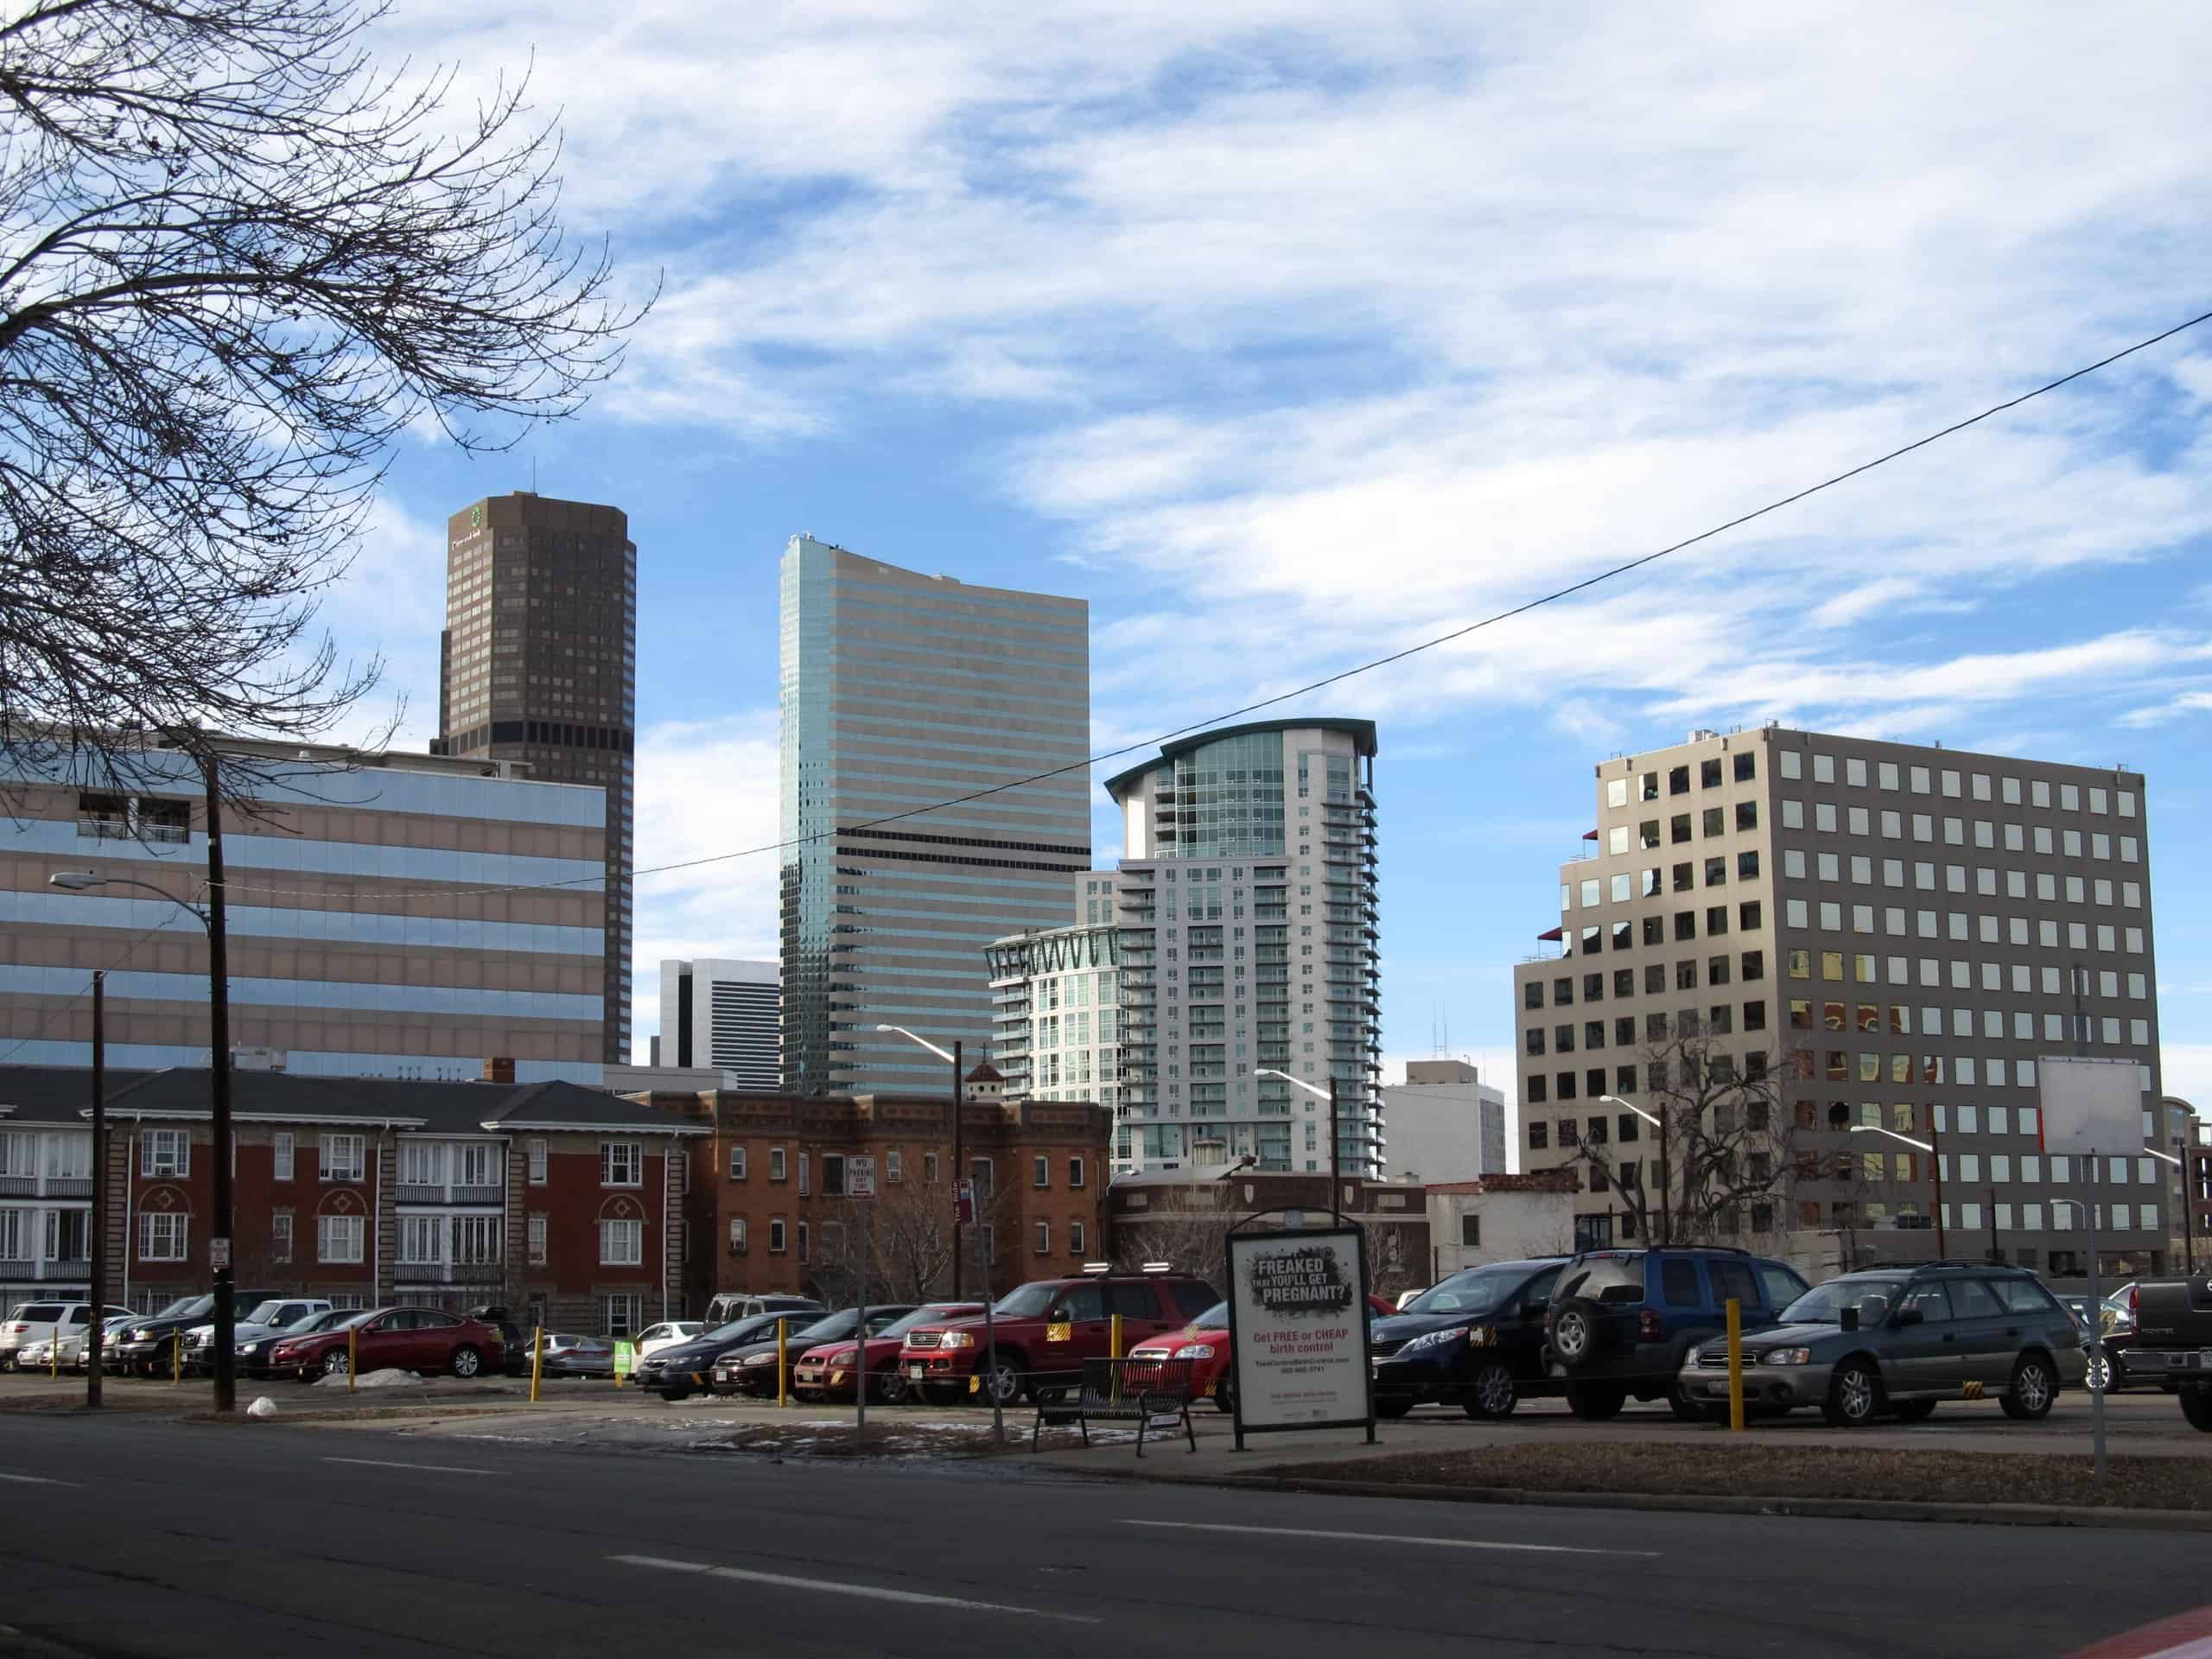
(538, 663)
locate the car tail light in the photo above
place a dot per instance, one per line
(1647, 1328)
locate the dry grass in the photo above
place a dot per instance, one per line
(1929, 1477)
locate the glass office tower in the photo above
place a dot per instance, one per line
(1246, 902)
(901, 690)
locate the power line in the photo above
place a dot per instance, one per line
(1552, 598)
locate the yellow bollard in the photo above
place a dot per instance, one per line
(54, 1353)
(537, 1361)
(1113, 1340)
(783, 1363)
(353, 1356)
(1735, 1366)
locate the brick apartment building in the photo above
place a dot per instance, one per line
(560, 1203)
(770, 1206)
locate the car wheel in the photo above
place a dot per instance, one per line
(2197, 1408)
(1225, 1393)
(673, 1392)
(1492, 1392)
(1003, 1385)
(2107, 1373)
(1689, 1410)
(1914, 1411)
(1593, 1402)
(1854, 1395)
(2035, 1385)
(1575, 1333)
(891, 1386)
(335, 1363)
(467, 1362)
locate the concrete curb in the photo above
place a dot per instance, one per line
(1826, 1508)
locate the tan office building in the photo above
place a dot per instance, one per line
(1899, 933)
(539, 664)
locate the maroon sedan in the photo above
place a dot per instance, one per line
(392, 1339)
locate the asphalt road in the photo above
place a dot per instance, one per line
(136, 1536)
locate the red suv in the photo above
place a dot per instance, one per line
(1046, 1329)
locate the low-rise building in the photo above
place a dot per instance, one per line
(773, 1199)
(1183, 1216)
(1500, 1218)
(557, 1202)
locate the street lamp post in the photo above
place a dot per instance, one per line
(1935, 1168)
(959, 1169)
(96, 1327)
(1666, 1199)
(222, 1270)
(1329, 1095)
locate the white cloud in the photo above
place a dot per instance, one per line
(704, 788)
(2186, 703)
(2186, 1071)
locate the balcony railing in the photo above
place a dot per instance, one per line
(442, 1192)
(448, 1273)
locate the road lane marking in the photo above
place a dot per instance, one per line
(836, 1587)
(1389, 1538)
(432, 1468)
(37, 1480)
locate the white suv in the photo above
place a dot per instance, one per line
(42, 1322)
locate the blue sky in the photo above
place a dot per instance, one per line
(1285, 333)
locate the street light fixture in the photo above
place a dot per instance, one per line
(1666, 1191)
(222, 1267)
(1329, 1095)
(959, 1167)
(1935, 1170)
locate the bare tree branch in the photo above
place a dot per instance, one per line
(236, 261)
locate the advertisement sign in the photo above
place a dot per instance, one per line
(1297, 1329)
(963, 1203)
(625, 1360)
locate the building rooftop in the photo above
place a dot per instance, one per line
(1361, 731)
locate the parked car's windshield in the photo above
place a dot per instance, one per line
(185, 1306)
(826, 1330)
(315, 1321)
(1471, 1292)
(1028, 1301)
(1214, 1319)
(737, 1330)
(1825, 1304)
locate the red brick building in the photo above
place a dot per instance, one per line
(560, 1203)
(771, 1201)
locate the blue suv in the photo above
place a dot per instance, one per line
(1621, 1321)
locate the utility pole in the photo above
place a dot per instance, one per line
(1935, 1169)
(219, 1253)
(959, 1168)
(96, 1328)
(1995, 1254)
(1335, 1185)
(1666, 1191)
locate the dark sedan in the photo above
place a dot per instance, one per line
(676, 1372)
(751, 1367)
(253, 1353)
(1476, 1339)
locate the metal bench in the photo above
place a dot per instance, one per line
(1151, 1393)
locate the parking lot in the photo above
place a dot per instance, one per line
(2143, 1423)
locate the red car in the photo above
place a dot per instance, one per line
(1205, 1343)
(1044, 1331)
(393, 1338)
(826, 1372)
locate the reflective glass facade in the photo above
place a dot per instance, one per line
(899, 690)
(1248, 942)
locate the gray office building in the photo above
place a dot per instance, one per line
(721, 1011)
(1248, 942)
(900, 691)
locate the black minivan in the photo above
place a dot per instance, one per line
(1476, 1339)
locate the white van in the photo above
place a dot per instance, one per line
(31, 1322)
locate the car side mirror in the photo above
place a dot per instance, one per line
(1849, 1320)
(1909, 1316)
